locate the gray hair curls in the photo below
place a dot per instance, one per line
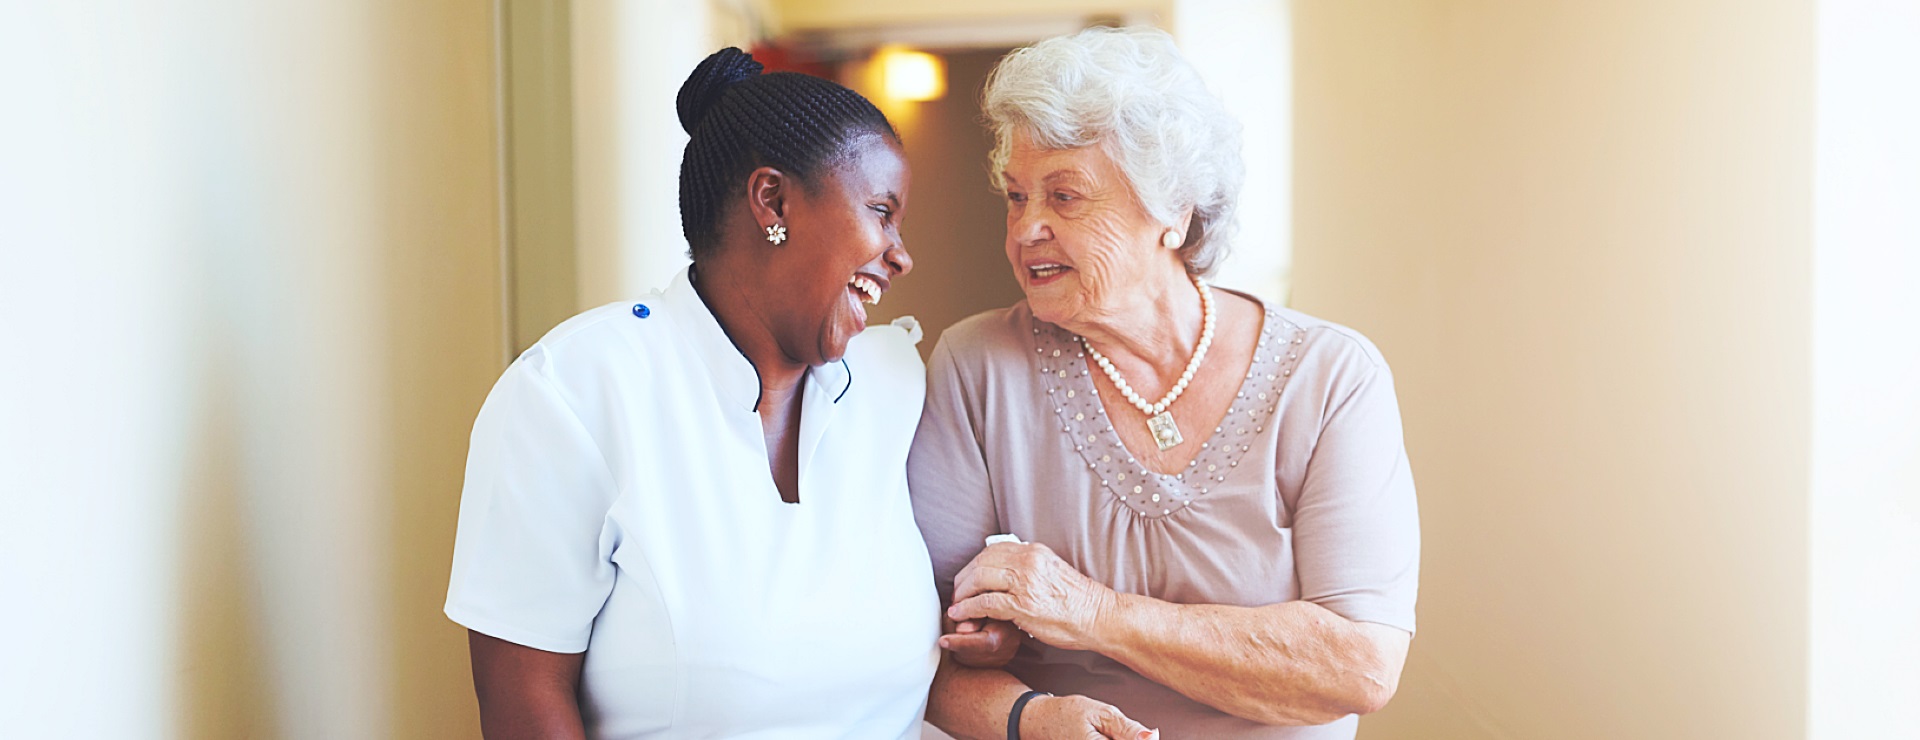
(1131, 92)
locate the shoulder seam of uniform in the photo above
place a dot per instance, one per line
(585, 320)
(542, 376)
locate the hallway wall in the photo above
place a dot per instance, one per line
(252, 288)
(1580, 233)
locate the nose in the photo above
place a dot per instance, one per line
(897, 258)
(1030, 226)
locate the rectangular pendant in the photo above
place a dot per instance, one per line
(1164, 432)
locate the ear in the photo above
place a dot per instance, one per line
(767, 190)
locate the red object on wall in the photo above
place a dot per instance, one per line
(777, 58)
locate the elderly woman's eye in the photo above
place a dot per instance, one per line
(1016, 197)
(1064, 197)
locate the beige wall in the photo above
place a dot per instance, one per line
(259, 306)
(543, 275)
(1580, 233)
(629, 58)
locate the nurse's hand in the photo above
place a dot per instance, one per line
(981, 643)
(1078, 718)
(1030, 586)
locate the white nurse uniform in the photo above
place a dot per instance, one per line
(618, 502)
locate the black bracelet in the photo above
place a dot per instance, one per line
(1020, 705)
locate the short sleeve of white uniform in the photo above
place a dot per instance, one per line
(530, 561)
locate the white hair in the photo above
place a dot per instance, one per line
(1131, 92)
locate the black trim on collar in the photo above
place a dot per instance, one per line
(849, 385)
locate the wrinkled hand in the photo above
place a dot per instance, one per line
(1030, 586)
(982, 643)
(1078, 718)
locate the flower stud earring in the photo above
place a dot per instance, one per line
(776, 233)
(1170, 239)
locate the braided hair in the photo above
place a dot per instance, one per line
(740, 120)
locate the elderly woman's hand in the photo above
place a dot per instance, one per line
(1030, 586)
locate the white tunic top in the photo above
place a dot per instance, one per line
(618, 502)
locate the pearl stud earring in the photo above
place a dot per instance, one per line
(776, 233)
(1170, 240)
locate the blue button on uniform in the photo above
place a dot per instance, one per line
(641, 310)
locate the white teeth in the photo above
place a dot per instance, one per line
(867, 286)
(1047, 270)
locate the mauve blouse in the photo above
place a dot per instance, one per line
(1303, 491)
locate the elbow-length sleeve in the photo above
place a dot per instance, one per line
(532, 557)
(947, 472)
(1356, 526)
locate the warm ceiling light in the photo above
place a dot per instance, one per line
(911, 75)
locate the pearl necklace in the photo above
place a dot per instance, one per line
(1159, 420)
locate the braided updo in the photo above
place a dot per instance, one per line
(740, 120)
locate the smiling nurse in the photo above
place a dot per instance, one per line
(663, 497)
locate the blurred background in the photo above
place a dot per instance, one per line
(1645, 272)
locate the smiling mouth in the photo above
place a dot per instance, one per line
(1045, 271)
(866, 288)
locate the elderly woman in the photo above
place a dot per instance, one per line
(1217, 514)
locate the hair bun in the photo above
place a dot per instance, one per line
(719, 71)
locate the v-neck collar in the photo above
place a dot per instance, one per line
(1066, 376)
(734, 375)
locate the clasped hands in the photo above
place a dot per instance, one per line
(1010, 588)
(1014, 588)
